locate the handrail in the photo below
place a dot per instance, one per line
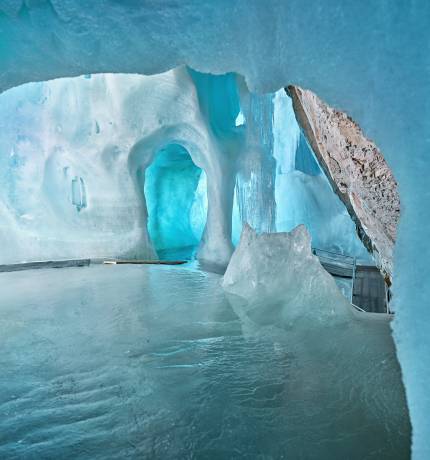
(358, 308)
(348, 261)
(354, 270)
(339, 257)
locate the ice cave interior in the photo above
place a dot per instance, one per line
(267, 149)
(175, 193)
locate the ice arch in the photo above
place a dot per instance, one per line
(367, 58)
(71, 151)
(176, 202)
(216, 246)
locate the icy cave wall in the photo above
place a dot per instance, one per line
(302, 191)
(357, 171)
(73, 159)
(119, 165)
(369, 59)
(280, 183)
(174, 189)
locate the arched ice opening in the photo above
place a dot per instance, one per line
(176, 199)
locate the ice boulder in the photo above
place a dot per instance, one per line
(340, 366)
(282, 281)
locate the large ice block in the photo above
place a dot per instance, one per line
(280, 271)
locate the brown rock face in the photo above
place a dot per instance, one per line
(357, 171)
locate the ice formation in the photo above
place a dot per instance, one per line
(369, 59)
(119, 165)
(175, 192)
(279, 290)
(74, 155)
(303, 195)
(282, 281)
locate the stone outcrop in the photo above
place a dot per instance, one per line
(357, 171)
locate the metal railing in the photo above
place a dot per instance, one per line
(336, 259)
(347, 265)
(334, 256)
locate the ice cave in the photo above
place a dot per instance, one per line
(213, 226)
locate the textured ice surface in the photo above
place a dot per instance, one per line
(73, 154)
(176, 199)
(111, 362)
(67, 188)
(280, 184)
(279, 269)
(90, 165)
(369, 59)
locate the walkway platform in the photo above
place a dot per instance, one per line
(45, 264)
(369, 292)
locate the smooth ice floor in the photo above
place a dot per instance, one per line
(120, 362)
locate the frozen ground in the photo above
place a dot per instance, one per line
(151, 362)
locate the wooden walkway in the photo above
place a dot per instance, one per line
(369, 291)
(144, 262)
(45, 264)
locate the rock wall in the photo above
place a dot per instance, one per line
(357, 171)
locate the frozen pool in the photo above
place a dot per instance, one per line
(112, 362)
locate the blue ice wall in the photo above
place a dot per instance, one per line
(303, 193)
(68, 166)
(219, 101)
(280, 184)
(220, 107)
(305, 160)
(256, 171)
(175, 192)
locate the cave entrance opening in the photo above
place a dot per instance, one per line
(176, 198)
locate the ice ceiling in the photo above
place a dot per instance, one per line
(370, 59)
